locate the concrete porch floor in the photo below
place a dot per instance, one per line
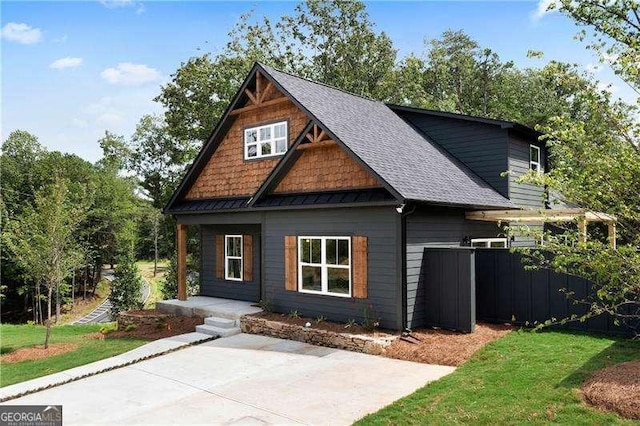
(203, 306)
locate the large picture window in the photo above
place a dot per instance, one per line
(265, 141)
(324, 265)
(233, 257)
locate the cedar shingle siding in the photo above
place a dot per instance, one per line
(325, 168)
(227, 173)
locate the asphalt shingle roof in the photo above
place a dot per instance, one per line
(411, 164)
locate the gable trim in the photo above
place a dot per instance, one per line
(211, 145)
(353, 155)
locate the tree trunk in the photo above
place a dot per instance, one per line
(155, 246)
(48, 322)
(73, 286)
(86, 275)
(57, 303)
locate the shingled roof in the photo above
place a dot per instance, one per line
(415, 167)
(411, 167)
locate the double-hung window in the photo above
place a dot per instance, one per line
(265, 141)
(233, 257)
(534, 158)
(324, 265)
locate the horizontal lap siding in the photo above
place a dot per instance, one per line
(523, 194)
(481, 147)
(434, 228)
(378, 224)
(212, 286)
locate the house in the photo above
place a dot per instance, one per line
(321, 201)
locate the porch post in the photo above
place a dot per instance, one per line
(611, 227)
(181, 236)
(582, 230)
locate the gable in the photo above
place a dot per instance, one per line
(227, 173)
(324, 166)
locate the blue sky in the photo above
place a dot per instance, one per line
(71, 70)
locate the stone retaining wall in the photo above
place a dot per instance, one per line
(132, 318)
(351, 342)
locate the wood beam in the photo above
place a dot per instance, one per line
(321, 144)
(181, 236)
(582, 230)
(258, 86)
(611, 230)
(266, 92)
(275, 101)
(251, 97)
(545, 215)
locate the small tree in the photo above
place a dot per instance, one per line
(126, 287)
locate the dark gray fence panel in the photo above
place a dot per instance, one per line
(449, 277)
(506, 292)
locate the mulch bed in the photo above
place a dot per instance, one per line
(37, 352)
(167, 327)
(444, 347)
(323, 325)
(615, 388)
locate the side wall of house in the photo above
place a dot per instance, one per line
(481, 147)
(434, 227)
(522, 194)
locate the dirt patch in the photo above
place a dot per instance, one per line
(37, 352)
(166, 326)
(615, 388)
(322, 324)
(446, 347)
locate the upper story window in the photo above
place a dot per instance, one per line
(265, 141)
(534, 158)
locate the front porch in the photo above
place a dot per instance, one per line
(205, 307)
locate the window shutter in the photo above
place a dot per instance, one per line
(291, 263)
(220, 256)
(360, 254)
(247, 254)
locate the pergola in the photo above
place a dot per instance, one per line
(550, 216)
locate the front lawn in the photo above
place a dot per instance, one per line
(90, 347)
(524, 377)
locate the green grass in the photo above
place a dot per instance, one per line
(523, 378)
(146, 270)
(13, 337)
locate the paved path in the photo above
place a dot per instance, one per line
(102, 313)
(244, 379)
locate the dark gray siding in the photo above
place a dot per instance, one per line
(523, 194)
(214, 287)
(435, 228)
(481, 147)
(378, 224)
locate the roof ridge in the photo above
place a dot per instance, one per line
(321, 84)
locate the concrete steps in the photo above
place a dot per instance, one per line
(219, 327)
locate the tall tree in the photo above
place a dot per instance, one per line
(42, 239)
(596, 164)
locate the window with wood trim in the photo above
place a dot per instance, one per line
(265, 141)
(489, 242)
(324, 265)
(535, 162)
(233, 257)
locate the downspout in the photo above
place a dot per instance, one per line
(403, 254)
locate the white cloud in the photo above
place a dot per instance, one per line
(114, 4)
(67, 62)
(62, 39)
(541, 10)
(129, 74)
(21, 33)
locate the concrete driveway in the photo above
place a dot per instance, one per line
(244, 379)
